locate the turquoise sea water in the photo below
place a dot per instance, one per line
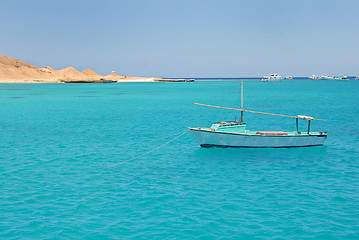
(54, 138)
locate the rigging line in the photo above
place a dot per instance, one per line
(145, 152)
(147, 142)
(229, 97)
(228, 100)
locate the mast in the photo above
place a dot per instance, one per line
(296, 125)
(242, 101)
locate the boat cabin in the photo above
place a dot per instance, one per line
(231, 126)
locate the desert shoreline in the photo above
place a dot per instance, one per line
(13, 70)
(125, 80)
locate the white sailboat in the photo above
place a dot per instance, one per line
(235, 134)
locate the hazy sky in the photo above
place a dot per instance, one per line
(185, 38)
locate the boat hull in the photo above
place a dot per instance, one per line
(222, 139)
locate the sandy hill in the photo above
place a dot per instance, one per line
(48, 69)
(69, 71)
(14, 70)
(10, 61)
(90, 72)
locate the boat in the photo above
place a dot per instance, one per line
(272, 78)
(235, 134)
(321, 77)
(289, 77)
(341, 77)
(326, 77)
(315, 77)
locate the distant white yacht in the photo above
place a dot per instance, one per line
(272, 78)
(341, 77)
(314, 77)
(289, 77)
(321, 77)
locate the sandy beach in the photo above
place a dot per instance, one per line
(13, 70)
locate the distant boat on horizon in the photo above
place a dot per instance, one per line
(321, 77)
(272, 78)
(342, 77)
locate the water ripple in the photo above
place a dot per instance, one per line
(52, 147)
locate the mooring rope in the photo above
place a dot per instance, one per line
(145, 152)
(161, 138)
